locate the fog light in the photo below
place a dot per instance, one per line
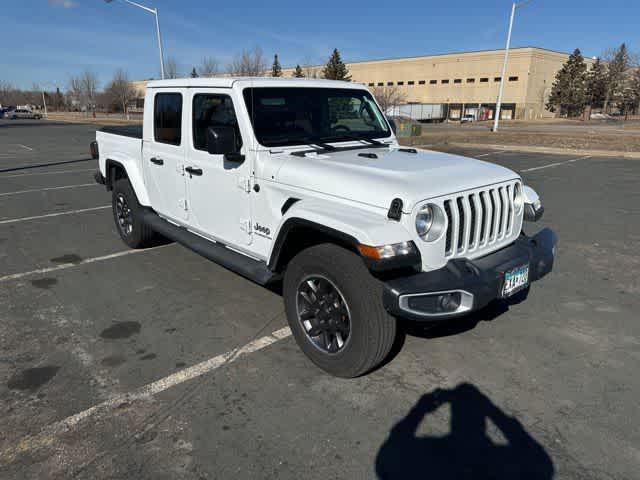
(449, 302)
(435, 304)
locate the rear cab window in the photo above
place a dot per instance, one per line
(167, 118)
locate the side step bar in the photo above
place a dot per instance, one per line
(247, 267)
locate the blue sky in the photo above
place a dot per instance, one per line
(46, 41)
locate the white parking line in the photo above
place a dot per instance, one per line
(65, 266)
(34, 190)
(47, 434)
(556, 164)
(47, 173)
(24, 146)
(49, 215)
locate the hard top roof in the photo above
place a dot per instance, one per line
(229, 82)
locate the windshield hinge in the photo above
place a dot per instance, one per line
(244, 184)
(245, 226)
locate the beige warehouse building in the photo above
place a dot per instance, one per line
(455, 84)
(468, 82)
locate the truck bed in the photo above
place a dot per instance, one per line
(133, 131)
(121, 144)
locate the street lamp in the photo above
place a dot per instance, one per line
(504, 65)
(44, 101)
(155, 12)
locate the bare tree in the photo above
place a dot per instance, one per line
(171, 68)
(388, 97)
(74, 92)
(249, 64)
(209, 67)
(120, 91)
(308, 70)
(89, 85)
(83, 90)
(7, 93)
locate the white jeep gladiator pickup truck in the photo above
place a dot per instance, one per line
(303, 181)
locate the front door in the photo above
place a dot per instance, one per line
(163, 156)
(217, 189)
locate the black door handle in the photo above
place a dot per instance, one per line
(157, 161)
(193, 171)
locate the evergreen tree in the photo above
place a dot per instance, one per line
(276, 69)
(194, 74)
(629, 98)
(569, 89)
(298, 73)
(597, 84)
(619, 61)
(335, 69)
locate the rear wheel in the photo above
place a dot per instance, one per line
(127, 214)
(334, 308)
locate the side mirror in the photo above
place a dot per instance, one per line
(222, 141)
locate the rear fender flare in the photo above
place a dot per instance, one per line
(134, 175)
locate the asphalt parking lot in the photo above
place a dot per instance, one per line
(159, 364)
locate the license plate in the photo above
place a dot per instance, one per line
(515, 280)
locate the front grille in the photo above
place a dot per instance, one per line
(479, 219)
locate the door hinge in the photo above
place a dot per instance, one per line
(245, 226)
(244, 184)
(182, 203)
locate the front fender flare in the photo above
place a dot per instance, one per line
(351, 225)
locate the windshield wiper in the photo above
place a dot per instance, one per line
(352, 138)
(311, 141)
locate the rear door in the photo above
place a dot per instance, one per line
(163, 153)
(218, 195)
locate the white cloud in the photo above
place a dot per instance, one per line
(63, 3)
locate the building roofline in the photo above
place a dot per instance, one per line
(418, 57)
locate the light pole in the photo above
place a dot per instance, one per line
(44, 101)
(515, 5)
(155, 12)
(45, 105)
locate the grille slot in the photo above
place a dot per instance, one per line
(479, 220)
(447, 210)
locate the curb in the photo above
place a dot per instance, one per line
(549, 150)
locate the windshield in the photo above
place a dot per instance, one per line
(300, 115)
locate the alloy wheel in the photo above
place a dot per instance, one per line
(124, 215)
(323, 313)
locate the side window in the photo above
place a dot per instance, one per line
(213, 110)
(167, 118)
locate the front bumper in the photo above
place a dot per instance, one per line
(478, 281)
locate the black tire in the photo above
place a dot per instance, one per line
(134, 232)
(372, 330)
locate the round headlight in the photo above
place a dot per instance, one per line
(430, 222)
(424, 221)
(518, 197)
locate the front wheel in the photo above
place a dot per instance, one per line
(334, 308)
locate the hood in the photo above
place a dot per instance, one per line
(412, 177)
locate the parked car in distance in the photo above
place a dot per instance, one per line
(23, 113)
(468, 118)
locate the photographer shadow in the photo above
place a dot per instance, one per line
(467, 451)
